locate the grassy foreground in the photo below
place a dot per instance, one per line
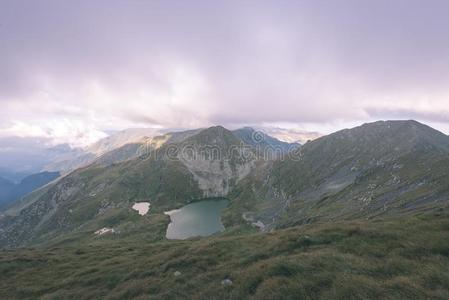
(390, 259)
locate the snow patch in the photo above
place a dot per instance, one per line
(104, 231)
(259, 225)
(142, 207)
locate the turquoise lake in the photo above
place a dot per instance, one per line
(200, 218)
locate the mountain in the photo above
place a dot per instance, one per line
(22, 156)
(291, 135)
(117, 147)
(142, 146)
(12, 175)
(263, 142)
(185, 167)
(217, 160)
(84, 157)
(5, 188)
(121, 154)
(361, 213)
(121, 138)
(10, 192)
(375, 170)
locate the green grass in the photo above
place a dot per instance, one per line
(388, 259)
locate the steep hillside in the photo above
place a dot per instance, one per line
(121, 154)
(375, 169)
(217, 159)
(97, 196)
(380, 169)
(102, 195)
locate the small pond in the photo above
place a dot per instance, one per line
(200, 218)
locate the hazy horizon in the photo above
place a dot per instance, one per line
(73, 71)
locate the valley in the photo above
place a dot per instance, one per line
(366, 205)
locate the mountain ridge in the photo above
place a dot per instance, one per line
(357, 172)
(362, 172)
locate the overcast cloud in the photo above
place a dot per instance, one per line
(73, 69)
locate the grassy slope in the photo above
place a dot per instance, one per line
(101, 196)
(383, 168)
(395, 258)
(391, 167)
(392, 256)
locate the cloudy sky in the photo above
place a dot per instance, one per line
(74, 69)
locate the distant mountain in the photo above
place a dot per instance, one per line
(12, 175)
(291, 135)
(5, 188)
(142, 146)
(5, 182)
(123, 153)
(130, 143)
(89, 154)
(20, 156)
(263, 141)
(10, 192)
(121, 138)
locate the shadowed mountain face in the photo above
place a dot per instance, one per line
(10, 192)
(378, 169)
(5, 188)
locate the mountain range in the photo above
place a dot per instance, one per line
(23, 156)
(360, 213)
(377, 169)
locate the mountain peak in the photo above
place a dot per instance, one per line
(247, 128)
(405, 132)
(217, 128)
(215, 135)
(395, 137)
(394, 124)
